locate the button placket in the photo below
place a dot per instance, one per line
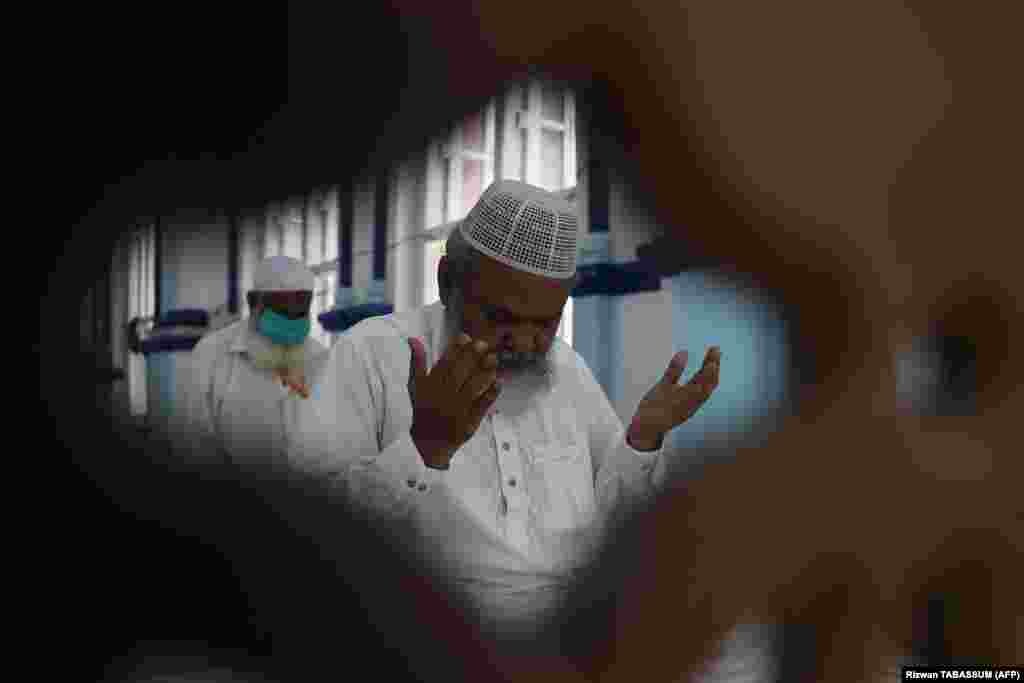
(509, 471)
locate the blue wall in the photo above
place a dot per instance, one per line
(754, 377)
(595, 339)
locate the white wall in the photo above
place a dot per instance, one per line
(196, 249)
(642, 323)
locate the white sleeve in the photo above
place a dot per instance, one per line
(621, 473)
(338, 437)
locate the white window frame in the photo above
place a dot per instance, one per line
(531, 120)
(323, 264)
(433, 248)
(292, 224)
(444, 168)
(141, 304)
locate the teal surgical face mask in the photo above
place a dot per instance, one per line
(282, 330)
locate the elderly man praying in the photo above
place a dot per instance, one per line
(248, 382)
(471, 420)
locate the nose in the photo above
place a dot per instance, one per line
(524, 341)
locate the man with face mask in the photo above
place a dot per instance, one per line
(248, 381)
(506, 456)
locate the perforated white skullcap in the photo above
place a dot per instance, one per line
(526, 228)
(282, 274)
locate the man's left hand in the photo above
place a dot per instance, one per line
(295, 381)
(668, 404)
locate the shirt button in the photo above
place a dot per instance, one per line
(422, 487)
(411, 483)
(505, 446)
(512, 481)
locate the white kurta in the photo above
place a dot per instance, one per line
(236, 412)
(522, 504)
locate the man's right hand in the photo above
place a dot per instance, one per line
(450, 402)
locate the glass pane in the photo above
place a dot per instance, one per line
(292, 225)
(270, 239)
(474, 132)
(552, 102)
(472, 182)
(314, 238)
(524, 154)
(552, 159)
(324, 218)
(431, 256)
(447, 210)
(565, 328)
(150, 282)
(331, 244)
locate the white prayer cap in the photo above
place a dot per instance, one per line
(282, 274)
(526, 228)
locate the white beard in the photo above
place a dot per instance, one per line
(266, 355)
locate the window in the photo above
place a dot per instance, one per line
(565, 327)
(460, 165)
(539, 145)
(252, 247)
(319, 246)
(273, 240)
(141, 304)
(292, 229)
(433, 249)
(323, 299)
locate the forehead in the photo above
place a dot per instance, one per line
(521, 293)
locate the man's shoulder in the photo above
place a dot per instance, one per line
(219, 341)
(369, 334)
(566, 359)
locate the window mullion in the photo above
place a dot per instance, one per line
(532, 172)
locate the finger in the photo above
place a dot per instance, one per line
(481, 406)
(676, 367)
(699, 388)
(690, 398)
(444, 367)
(468, 364)
(713, 370)
(708, 374)
(714, 355)
(479, 383)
